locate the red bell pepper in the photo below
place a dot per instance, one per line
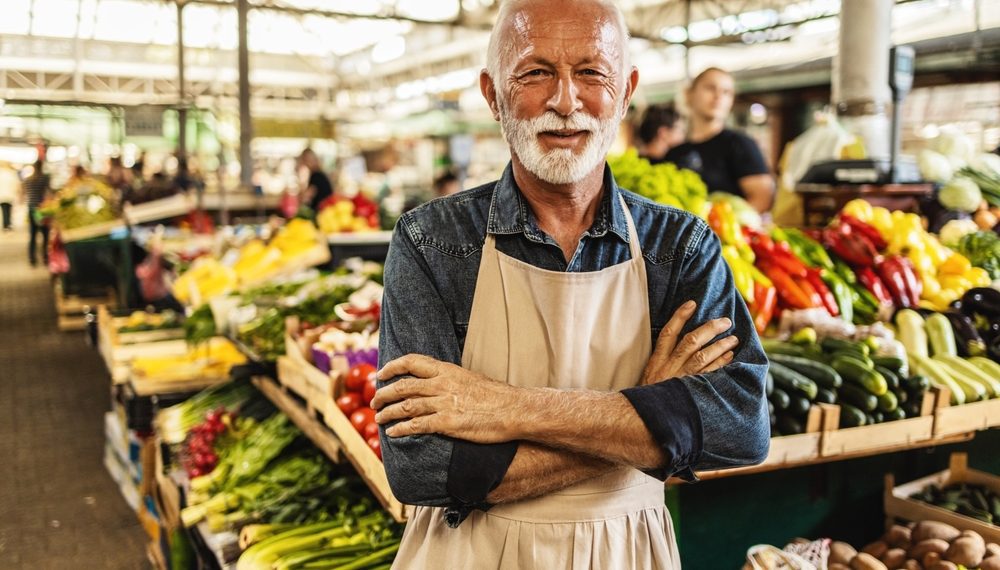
(864, 229)
(776, 252)
(827, 297)
(871, 281)
(889, 271)
(765, 300)
(789, 291)
(913, 283)
(853, 247)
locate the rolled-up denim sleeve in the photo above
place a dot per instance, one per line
(715, 420)
(429, 470)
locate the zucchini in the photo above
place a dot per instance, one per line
(971, 387)
(897, 414)
(818, 372)
(940, 335)
(870, 419)
(789, 426)
(780, 399)
(867, 361)
(779, 347)
(774, 419)
(937, 375)
(831, 344)
(877, 417)
(768, 383)
(911, 409)
(826, 396)
(902, 396)
(859, 397)
(918, 383)
(770, 407)
(798, 406)
(911, 332)
(791, 381)
(986, 365)
(893, 363)
(891, 378)
(973, 372)
(887, 402)
(853, 370)
(850, 416)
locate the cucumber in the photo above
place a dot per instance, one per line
(973, 389)
(868, 362)
(850, 416)
(893, 363)
(937, 375)
(826, 396)
(818, 372)
(853, 370)
(774, 419)
(891, 378)
(902, 396)
(858, 397)
(791, 381)
(804, 337)
(870, 419)
(888, 402)
(911, 409)
(918, 383)
(768, 383)
(831, 344)
(780, 399)
(789, 426)
(910, 330)
(897, 414)
(940, 335)
(877, 417)
(798, 406)
(779, 347)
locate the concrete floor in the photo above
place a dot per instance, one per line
(59, 508)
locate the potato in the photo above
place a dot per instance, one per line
(894, 557)
(865, 561)
(842, 553)
(897, 537)
(934, 529)
(991, 563)
(837, 566)
(930, 559)
(876, 549)
(930, 545)
(992, 549)
(943, 565)
(911, 565)
(967, 551)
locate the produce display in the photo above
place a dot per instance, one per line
(144, 321)
(212, 359)
(663, 183)
(81, 202)
(347, 215)
(359, 389)
(174, 423)
(976, 501)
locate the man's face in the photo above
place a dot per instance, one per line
(711, 98)
(562, 92)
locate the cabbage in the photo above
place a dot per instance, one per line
(934, 166)
(960, 194)
(952, 232)
(986, 162)
(957, 147)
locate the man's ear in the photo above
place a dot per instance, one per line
(489, 92)
(630, 85)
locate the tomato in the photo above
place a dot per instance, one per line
(376, 445)
(357, 376)
(370, 430)
(349, 403)
(369, 391)
(362, 417)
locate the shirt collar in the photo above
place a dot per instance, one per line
(510, 213)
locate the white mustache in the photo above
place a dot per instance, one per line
(552, 121)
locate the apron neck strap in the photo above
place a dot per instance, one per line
(633, 235)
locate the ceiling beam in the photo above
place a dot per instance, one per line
(336, 14)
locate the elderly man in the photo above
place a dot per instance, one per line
(524, 407)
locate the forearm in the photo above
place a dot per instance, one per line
(538, 470)
(598, 424)
(759, 191)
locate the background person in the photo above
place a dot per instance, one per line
(318, 188)
(10, 189)
(660, 130)
(36, 189)
(727, 160)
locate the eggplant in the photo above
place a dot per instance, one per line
(982, 300)
(993, 349)
(969, 342)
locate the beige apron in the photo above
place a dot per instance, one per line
(535, 327)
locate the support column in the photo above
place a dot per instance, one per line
(246, 128)
(860, 91)
(181, 89)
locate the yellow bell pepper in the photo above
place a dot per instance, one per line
(882, 221)
(955, 264)
(931, 286)
(956, 282)
(978, 276)
(859, 209)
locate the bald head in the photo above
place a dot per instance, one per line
(516, 17)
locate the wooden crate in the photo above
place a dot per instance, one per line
(330, 384)
(950, 420)
(319, 254)
(177, 205)
(71, 309)
(91, 231)
(149, 386)
(302, 414)
(897, 501)
(884, 436)
(117, 354)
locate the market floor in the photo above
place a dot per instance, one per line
(59, 508)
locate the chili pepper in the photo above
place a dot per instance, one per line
(871, 281)
(787, 261)
(851, 246)
(865, 306)
(844, 271)
(864, 229)
(841, 292)
(811, 250)
(765, 301)
(742, 276)
(914, 286)
(825, 294)
(815, 299)
(789, 292)
(890, 274)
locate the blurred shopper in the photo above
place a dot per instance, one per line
(318, 188)
(10, 189)
(139, 166)
(447, 184)
(661, 129)
(35, 190)
(118, 177)
(727, 160)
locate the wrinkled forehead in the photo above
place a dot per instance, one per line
(590, 33)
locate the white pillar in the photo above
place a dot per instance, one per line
(860, 88)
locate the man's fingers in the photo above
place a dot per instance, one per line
(415, 426)
(719, 362)
(403, 389)
(409, 408)
(699, 337)
(409, 365)
(667, 340)
(708, 355)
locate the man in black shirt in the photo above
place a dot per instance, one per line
(319, 187)
(727, 161)
(36, 189)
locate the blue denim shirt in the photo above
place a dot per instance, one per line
(705, 421)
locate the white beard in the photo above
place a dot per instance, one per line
(559, 165)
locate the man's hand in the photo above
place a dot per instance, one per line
(445, 399)
(693, 354)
